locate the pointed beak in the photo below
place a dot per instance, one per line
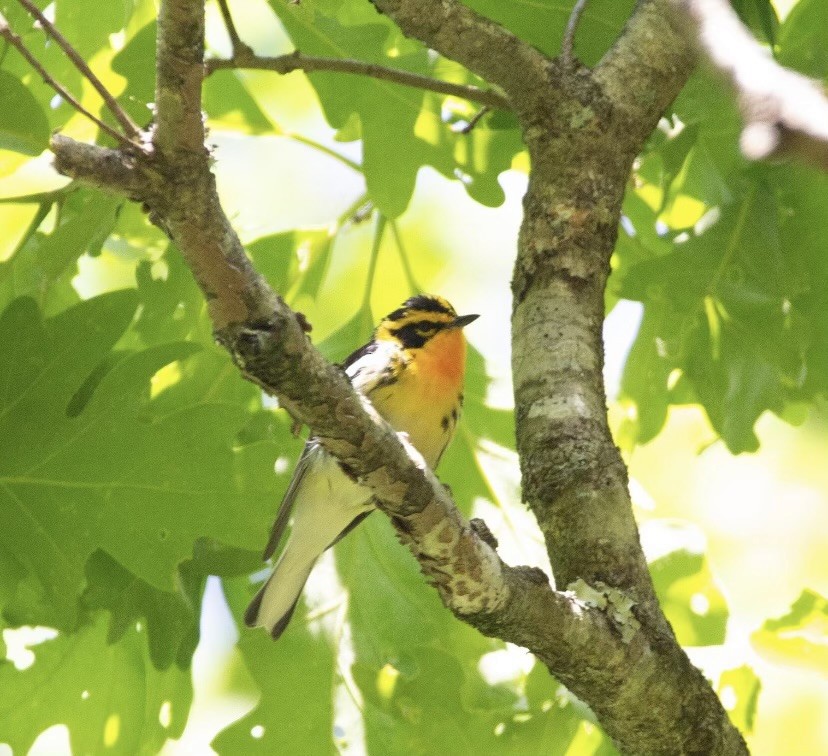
(462, 321)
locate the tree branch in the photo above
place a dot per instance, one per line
(106, 169)
(568, 43)
(784, 112)
(583, 130)
(268, 343)
(131, 129)
(15, 41)
(456, 31)
(647, 66)
(239, 48)
(297, 61)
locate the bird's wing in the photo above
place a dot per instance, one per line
(309, 455)
(372, 365)
(366, 370)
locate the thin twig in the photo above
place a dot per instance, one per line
(568, 42)
(130, 127)
(362, 213)
(240, 49)
(297, 61)
(476, 118)
(347, 216)
(16, 42)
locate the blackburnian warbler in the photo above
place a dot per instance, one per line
(412, 371)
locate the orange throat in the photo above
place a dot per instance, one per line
(442, 360)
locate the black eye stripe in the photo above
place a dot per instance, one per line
(410, 337)
(422, 325)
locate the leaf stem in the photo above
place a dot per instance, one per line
(352, 210)
(406, 264)
(308, 142)
(379, 230)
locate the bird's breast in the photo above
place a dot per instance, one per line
(425, 400)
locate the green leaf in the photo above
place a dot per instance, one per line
(402, 128)
(760, 17)
(646, 374)
(171, 303)
(686, 587)
(87, 217)
(408, 710)
(109, 695)
(552, 721)
(114, 476)
(739, 690)
(410, 649)
(342, 342)
(803, 39)
(24, 126)
(229, 104)
(800, 637)
(50, 56)
(171, 617)
(716, 311)
(285, 257)
(89, 23)
(136, 63)
(387, 111)
(295, 677)
(45, 264)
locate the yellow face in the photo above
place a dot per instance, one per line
(424, 322)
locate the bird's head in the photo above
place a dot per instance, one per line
(425, 321)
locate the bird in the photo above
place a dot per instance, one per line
(412, 370)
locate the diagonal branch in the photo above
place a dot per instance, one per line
(568, 42)
(784, 112)
(647, 66)
(297, 61)
(15, 41)
(239, 48)
(131, 129)
(495, 54)
(268, 343)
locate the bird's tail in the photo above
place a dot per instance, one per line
(273, 606)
